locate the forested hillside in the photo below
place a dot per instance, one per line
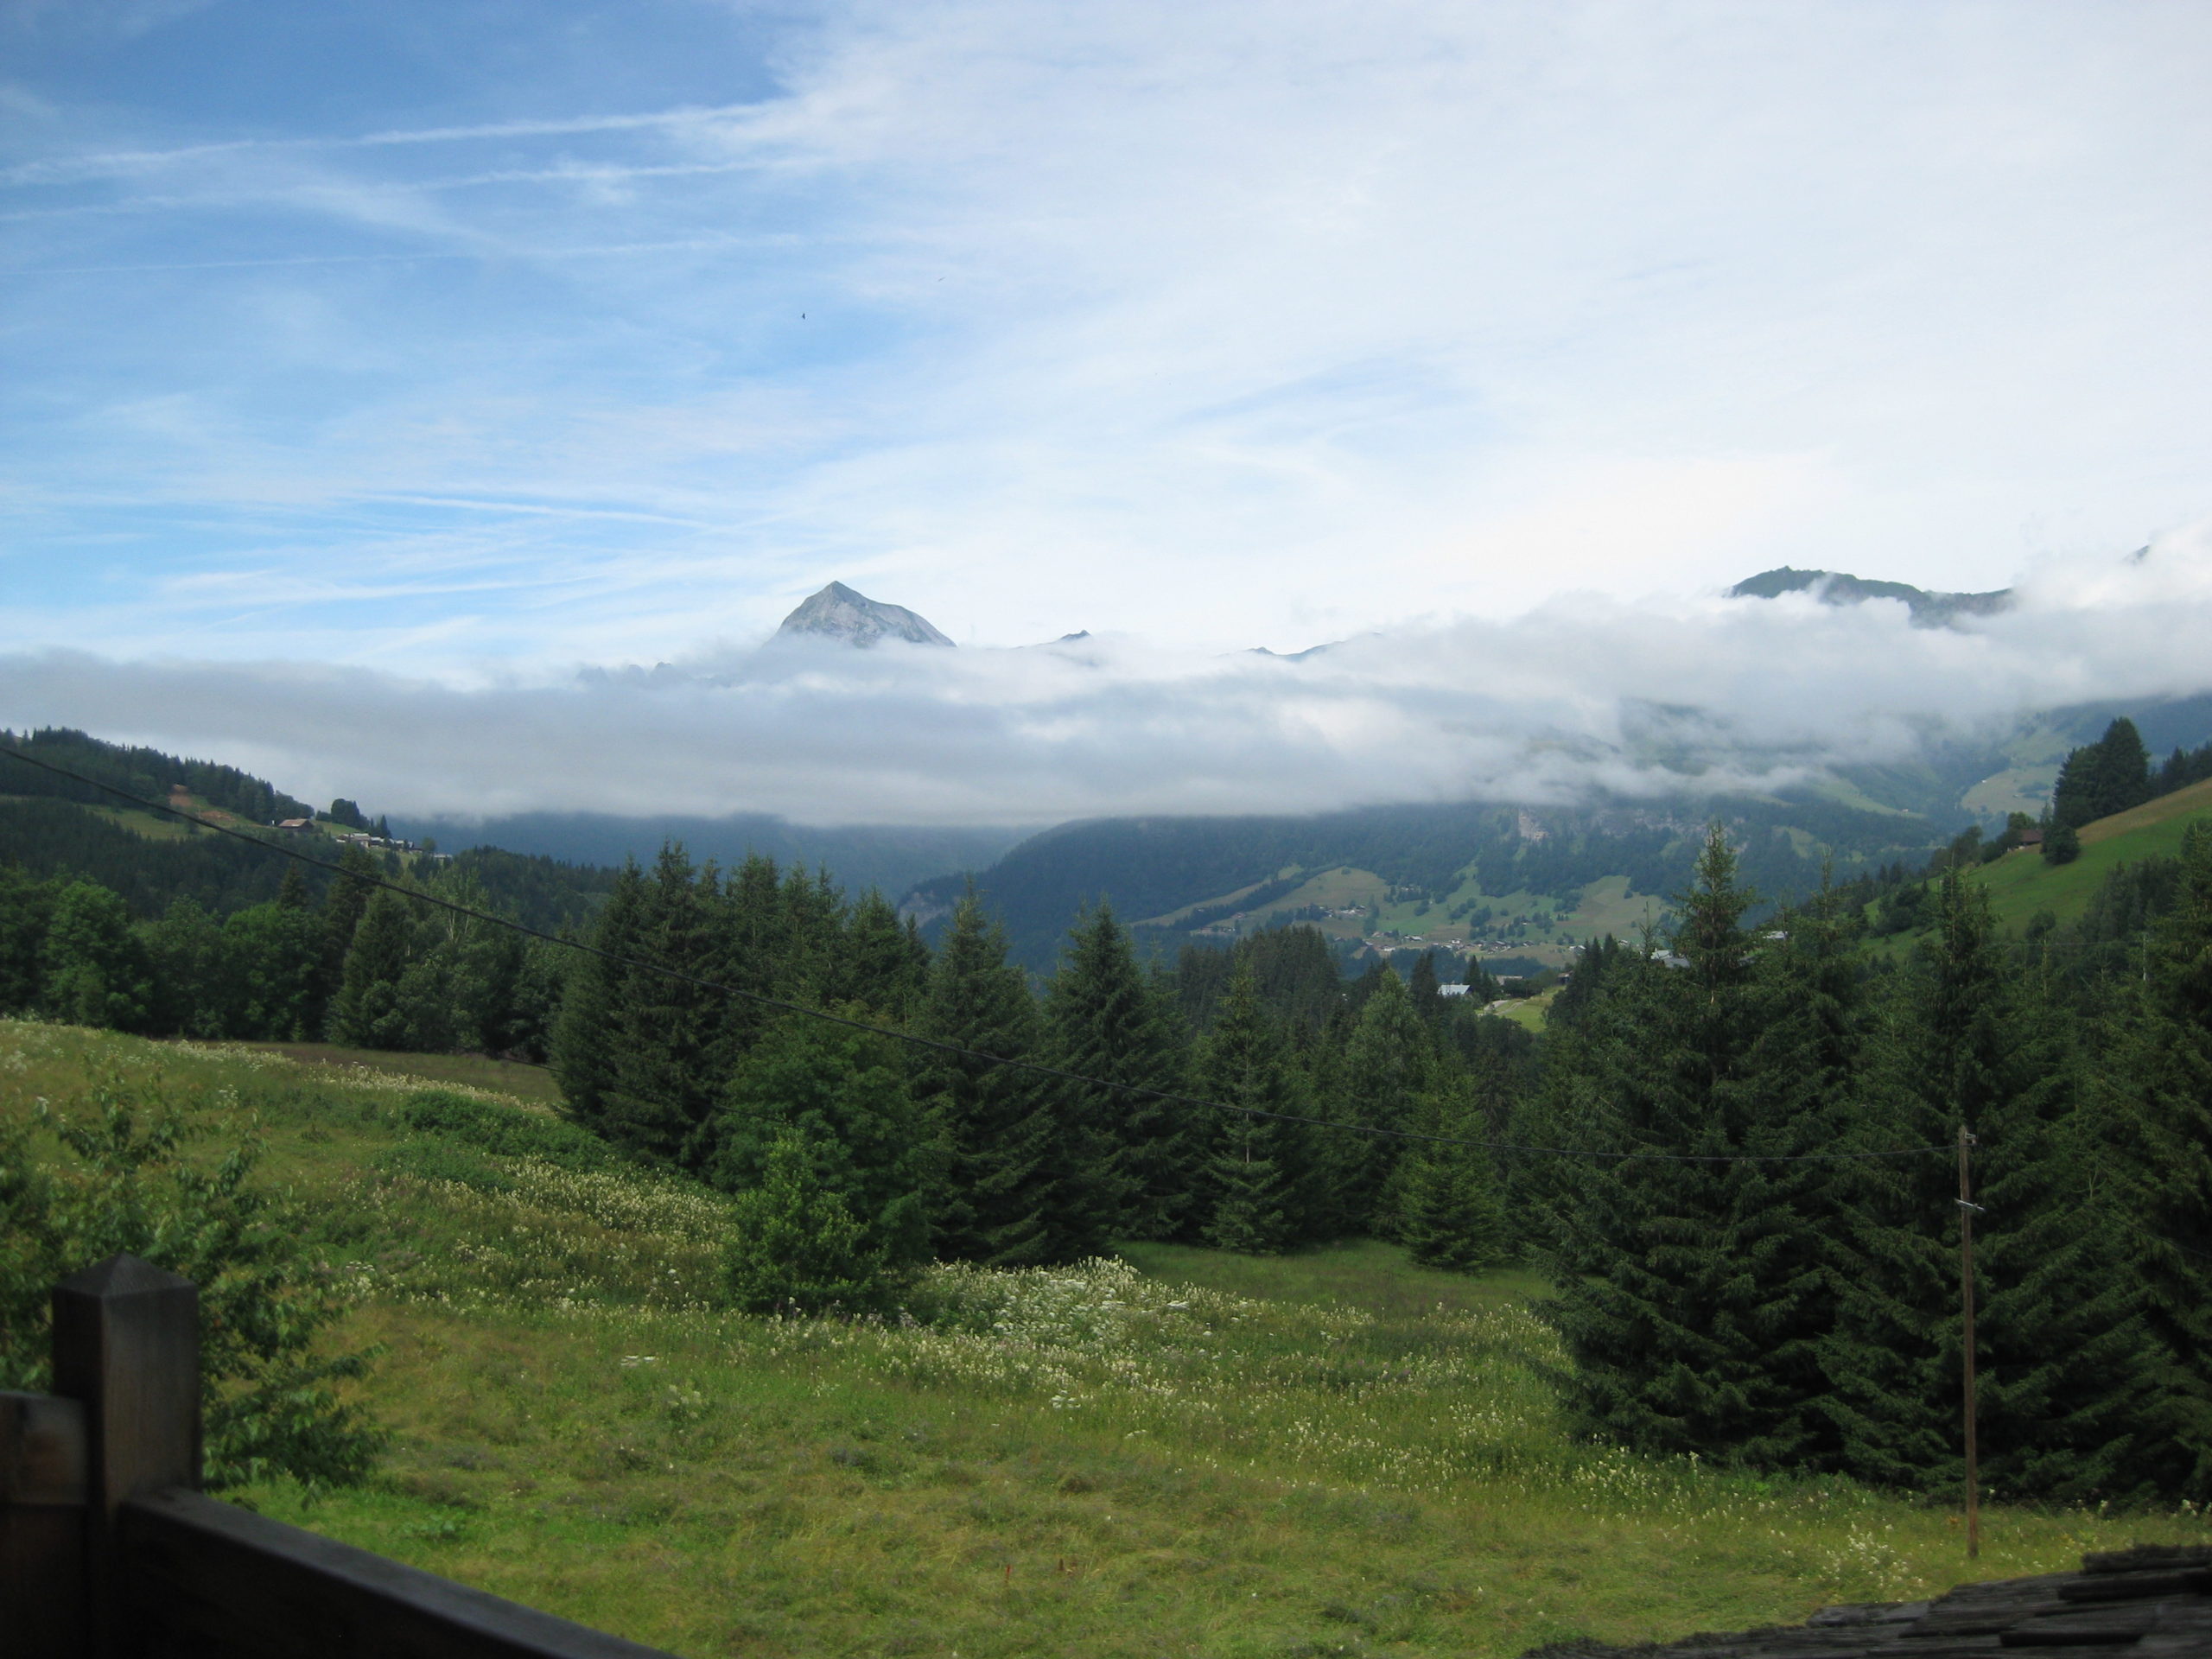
(1434, 864)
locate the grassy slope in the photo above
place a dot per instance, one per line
(1334, 1454)
(2020, 884)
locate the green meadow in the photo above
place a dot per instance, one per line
(2020, 884)
(1171, 1451)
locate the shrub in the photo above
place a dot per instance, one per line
(796, 1246)
(504, 1131)
(124, 1183)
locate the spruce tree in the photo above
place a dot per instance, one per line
(342, 909)
(751, 929)
(1124, 1158)
(885, 965)
(1449, 1210)
(2064, 1358)
(1255, 1178)
(2157, 1087)
(1688, 1288)
(994, 1122)
(368, 1011)
(662, 1030)
(1391, 1063)
(584, 1031)
(1423, 990)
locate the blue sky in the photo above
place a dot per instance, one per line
(465, 343)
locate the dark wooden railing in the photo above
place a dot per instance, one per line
(109, 1550)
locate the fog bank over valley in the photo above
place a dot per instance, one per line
(1674, 696)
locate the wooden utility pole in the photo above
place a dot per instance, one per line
(1968, 1209)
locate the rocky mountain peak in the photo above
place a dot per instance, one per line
(838, 612)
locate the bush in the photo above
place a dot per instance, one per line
(504, 1131)
(796, 1248)
(2062, 845)
(125, 1184)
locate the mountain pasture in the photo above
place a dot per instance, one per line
(2021, 884)
(1176, 1451)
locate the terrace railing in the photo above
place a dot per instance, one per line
(109, 1550)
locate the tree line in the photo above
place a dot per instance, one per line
(1737, 1290)
(1784, 1307)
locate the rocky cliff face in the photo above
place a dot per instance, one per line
(838, 612)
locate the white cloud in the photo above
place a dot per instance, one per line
(1583, 695)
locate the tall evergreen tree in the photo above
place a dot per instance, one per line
(2157, 1085)
(369, 1011)
(584, 1030)
(1124, 1158)
(885, 964)
(2100, 778)
(26, 912)
(1256, 1180)
(2062, 1355)
(662, 1030)
(1449, 1210)
(343, 908)
(1391, 1063)
(995, 1122)
(1688, 1287)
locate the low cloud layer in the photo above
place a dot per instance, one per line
(1688, 696)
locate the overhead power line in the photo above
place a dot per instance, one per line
(938, 1045)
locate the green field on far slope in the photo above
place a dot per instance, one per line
(2020, 884)
(1178, 1452)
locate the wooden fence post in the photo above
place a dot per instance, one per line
(42, 1526)
(126, 1344)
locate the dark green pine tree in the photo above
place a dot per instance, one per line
(343, 908)
(1256, 1180)
(885, 965)
(368, 1011)
(1451, 1212)
(1125, 1158)
(994, 1122)
(1389, 1065)
(1423, 989)
(2157, 1087)
(1687, 1283)
(662, 1031)
(808, 953)
(753, 928)
(2064, 1360)
(2100, 778)
(584, 1028)
(26, 911)
(795, 1246)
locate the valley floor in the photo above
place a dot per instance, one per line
(1178, 1451)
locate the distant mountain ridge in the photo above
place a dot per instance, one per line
(1929, 610)
(838, 612)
